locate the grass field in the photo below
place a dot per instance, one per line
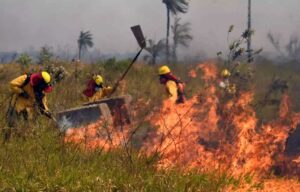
(39, 160)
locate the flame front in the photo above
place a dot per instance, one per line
(208, 133)
(99, 135)
(205, 134)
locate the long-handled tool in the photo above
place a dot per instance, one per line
(48, 114)
(137, 31)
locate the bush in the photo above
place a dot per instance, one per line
(113, 65)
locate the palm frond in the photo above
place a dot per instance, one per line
(176, 6)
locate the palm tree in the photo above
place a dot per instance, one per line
(181, 36)
(174, 7)
(155, 49)
(84, 41)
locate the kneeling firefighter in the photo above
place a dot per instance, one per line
(28, 95)
(95, 89)
(174, 87)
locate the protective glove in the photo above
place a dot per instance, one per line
(24, 94)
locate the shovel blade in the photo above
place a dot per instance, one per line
(83, 116)
(119, 108)
(138, 34)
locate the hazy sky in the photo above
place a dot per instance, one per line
(25, 23)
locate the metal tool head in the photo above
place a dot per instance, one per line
(138, 34)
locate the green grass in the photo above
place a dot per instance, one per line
(40, 161)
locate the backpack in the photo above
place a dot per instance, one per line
(27, 80)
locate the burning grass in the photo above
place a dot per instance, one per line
(207, 144)
(204, 134)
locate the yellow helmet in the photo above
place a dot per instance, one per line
(98, 79)
(46, 76)
(225, 73)
(164, 70)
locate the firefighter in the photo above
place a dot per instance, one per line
(29, 95)
(225, 83)
(96, 90)
(174, 87)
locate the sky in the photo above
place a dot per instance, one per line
(34, 23)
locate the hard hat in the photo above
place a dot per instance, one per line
(164, 70)
(98, 79)
(225, 73)
(46, 76)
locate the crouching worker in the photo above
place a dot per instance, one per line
(29, 96)
(174, 87)
(96, 90)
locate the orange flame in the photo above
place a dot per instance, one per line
(207, 133)
(99, 135)
(204, 134)
(193, 73)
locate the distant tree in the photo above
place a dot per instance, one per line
(174, 7)
(84, 41)
(291, 50)
(45, 55)
(275, 42)
(155, 50)
(24, 60)
(181, 36)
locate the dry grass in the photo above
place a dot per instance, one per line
(40, 161)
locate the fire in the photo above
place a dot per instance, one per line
(209, 133)
(193, 73)
(204, 134)
(99, 135)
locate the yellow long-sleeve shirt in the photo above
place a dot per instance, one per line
(172, 90)
(100, 94)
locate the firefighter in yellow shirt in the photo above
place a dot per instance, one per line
(29, 92)
(96, 90)
(174, 87)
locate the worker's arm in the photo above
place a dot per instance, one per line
(45, 104)
(46, 111)
(16, 84)
(172, 90)
(106, 91)
(42, 104)
(100, 94)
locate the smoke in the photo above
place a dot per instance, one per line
(58, 22)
